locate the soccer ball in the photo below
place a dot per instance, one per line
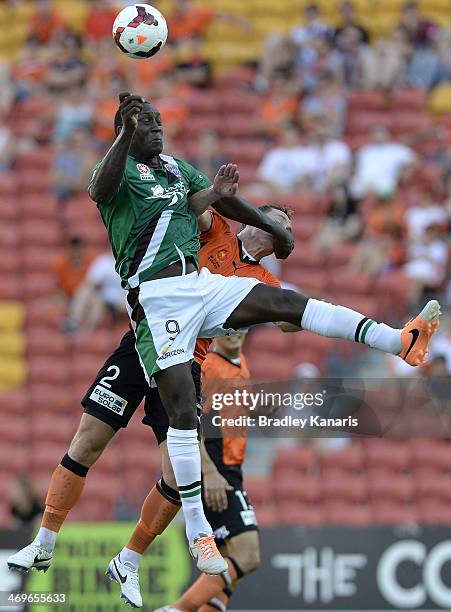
(140, 31)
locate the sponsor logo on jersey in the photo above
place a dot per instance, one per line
(173, 353)
(173, 169)
(144, 172)
(157, 191)
(108, 399)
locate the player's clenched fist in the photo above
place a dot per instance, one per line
(130, 106)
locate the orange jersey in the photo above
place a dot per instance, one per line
(226, 450)
(222, 253)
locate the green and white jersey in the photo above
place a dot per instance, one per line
(149, 222)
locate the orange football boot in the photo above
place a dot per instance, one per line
(417, 333)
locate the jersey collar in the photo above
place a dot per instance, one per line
(245, 257)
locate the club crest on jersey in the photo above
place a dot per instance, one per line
(144, 172)
(173, 169)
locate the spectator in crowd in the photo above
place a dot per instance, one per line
(188, 20)
(282, 167)
(385, 66)
(319, 57)
(418, 29)
(7, 149)
(24, 502)
(209, 153)
(193, 68)
(106, 107)
(386, 217)
(7, 89)
(312, 28)
(72, 163)
(278, 105)
(373, 255)
(98, 21)
(100, 292)
(426, 68)
(441, 344)
(328, 100)
(427, 260)
(327, 160)
(75, 110)
(380, 164)
(278, 57)
(343, 222)
(45, 21)
(424, 214)
(170, 101)
(353, 55)
(67, 69)
(347, 15)
(70, 266)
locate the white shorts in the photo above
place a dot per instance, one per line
(169, 314)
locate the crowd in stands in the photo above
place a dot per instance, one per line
(349, 125)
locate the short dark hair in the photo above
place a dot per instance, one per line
(267, 207)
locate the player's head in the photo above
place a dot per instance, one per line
(148, 138)
(230, 346)
(256, 241)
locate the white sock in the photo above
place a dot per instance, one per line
(47, 538)
(130, 556)
(184, 453)
(339, 322)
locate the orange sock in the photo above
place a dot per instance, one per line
(66, 486)
(159, 509)
(206, 588)
(219, 602)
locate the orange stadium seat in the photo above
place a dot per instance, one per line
(397, 488)
(292, 486)
(347, 461)
(41, 233)
(38, 284)
(38, 159)
(38, 259)
(289, 459)
(45, 313)
(409, 98)
(393, 455)
(44, 426)
(350, 488)
(47, 370)
(9, 262)
(300, 515)
(14, 458)
(347, 514)
(432, 454)
(9, 209)
(369, 99)
(394, 514)
(40, 207)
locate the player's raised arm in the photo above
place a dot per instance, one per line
(107, 178)
(225, 184)
(236, 209)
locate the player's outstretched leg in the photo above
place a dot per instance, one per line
(159, 508)
(178, 395)
(268, 304)
(65, 489)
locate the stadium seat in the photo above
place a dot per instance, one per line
(434, 486)
(98, 342)
(44, 426)
(434, 512)
(12, 315)
(43, 397)
(368, 99)
(41, 233)
(14, 458)
(299, 515)
(45, 456)
(349, 460)
(302, 459)
(45, 370)
(37, 284)
(394, 514)
(409, 98)
(42, 341)
(13, 372)
(92, 510)
(349, 488)
(393, 487)
(14, 402)
(258, 490)
(347, 514)
(18, 426)
(294, 486)
(39, 259)
(428, 453)
(101, 487)
(38, 159)
(9, 210)
(391, 454)
(40, 207)
(44, 312)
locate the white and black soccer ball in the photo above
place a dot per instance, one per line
(140, 31)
